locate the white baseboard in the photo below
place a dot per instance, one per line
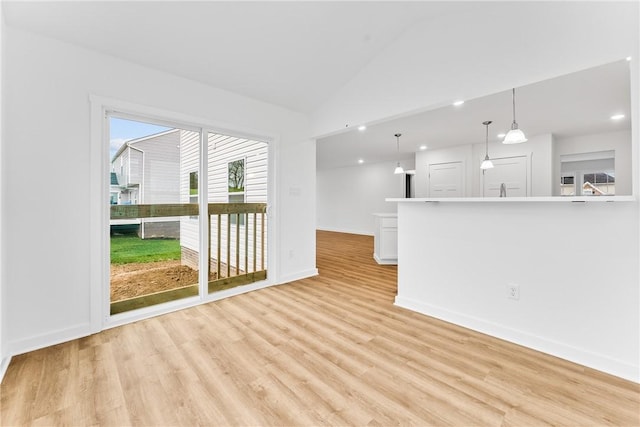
(297, 276)
(345, 230)
(37, 342)
(4, 364)
(385, 261)
(581, 356)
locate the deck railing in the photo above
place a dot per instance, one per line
(249, 266)
(236, 250)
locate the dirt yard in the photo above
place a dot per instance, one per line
(135, 279)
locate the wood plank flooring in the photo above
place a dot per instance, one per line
(329, 350)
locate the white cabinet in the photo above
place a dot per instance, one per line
(385, 240)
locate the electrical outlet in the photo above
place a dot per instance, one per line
(513, 291)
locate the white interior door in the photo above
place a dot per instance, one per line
(510, 171)
(446, 180)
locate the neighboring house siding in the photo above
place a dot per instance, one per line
(189, 162)
(161, 167)
(121, 166)
(135, 161)
(223, 149)
(149, 168)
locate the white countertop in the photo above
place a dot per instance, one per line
(557, 199)
(386, 215)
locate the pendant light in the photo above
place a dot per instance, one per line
(398, 169)
(487, 163)
(515, 135)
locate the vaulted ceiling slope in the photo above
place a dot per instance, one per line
(485, 48)
(292, 54)
(350, 62)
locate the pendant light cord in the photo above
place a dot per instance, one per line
(487, 140)
(514, 104)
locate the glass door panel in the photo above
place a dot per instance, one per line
(237, 197)
(154, 236)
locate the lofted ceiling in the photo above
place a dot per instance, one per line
(298, 54)
(292, 54)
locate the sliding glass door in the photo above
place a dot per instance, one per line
(157, 192)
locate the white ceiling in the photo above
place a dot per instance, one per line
(298, 54)
(292, 54)
(574, 104)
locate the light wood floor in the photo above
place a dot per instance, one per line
(330, 350)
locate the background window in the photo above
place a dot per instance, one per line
(236, 186)
(193, 187)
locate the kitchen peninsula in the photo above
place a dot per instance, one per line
(460, 259)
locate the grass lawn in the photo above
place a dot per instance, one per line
(127, 249)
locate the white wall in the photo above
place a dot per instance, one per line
(619, 141)
(296, 176)
(462, 57)
(538, 149)
(576, 264)
(4, 360)
(47, 147)
(347, 197)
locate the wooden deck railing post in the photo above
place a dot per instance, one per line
(255, 235)
(262, 242)
(246, 242)
(209, 247)
(219, 240)
(237, 244)
(228, 245)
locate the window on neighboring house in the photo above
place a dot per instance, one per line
(599, 183)
(236, 185)
(567, 185)
(588, 174)
(193, 189)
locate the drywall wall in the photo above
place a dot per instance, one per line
(47, 155)
(4, 362)
(619, 141)
(576, 265)
(347, 197)
(470, 54)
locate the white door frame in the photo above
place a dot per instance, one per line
(462, 177)
(99, 206)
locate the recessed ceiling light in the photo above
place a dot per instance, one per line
(423, 147)
(617, 117)
(628, 58)
(361, 161)
(361, 128)
(501, 135)
(457, 103)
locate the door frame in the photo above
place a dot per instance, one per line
(463, 179)
(100, 196)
